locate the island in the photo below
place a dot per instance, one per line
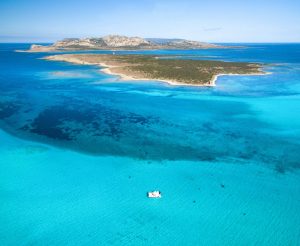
(171, 69)
(118, 42)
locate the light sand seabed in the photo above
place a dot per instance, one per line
(105, 68)
(215, 77)
(93, 199)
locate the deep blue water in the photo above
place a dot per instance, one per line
(79, 150)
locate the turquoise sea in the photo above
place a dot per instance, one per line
(79, 150)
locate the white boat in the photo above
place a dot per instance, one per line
(154, 194)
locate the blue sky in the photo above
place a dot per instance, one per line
(209, 20)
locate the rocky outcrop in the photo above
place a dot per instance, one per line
(40, 48)
(111, 41)
(123, 41)
(182, 43)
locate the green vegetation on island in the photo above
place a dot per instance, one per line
(170, 69)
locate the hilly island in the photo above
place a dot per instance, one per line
(118, 42)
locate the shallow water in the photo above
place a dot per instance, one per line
(79, 150)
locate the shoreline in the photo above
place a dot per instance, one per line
(106, 69)
(49, 49)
